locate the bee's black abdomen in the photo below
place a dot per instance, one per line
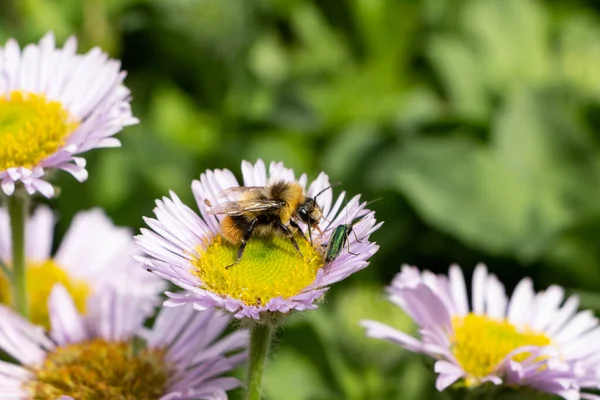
(242, 222)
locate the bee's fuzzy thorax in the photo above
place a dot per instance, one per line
(291, 193)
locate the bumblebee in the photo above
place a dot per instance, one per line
(265, 211)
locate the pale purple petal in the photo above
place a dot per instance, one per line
(22, 340)
(448, 374)
(67, 324)
(381, 331)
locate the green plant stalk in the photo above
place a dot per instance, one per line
(260, 339)
(6, 271)
(17, 210)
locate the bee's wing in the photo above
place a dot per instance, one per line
(236, 191)
(239, 207)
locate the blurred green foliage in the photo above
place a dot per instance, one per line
(476, 120)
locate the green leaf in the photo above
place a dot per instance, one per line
(497, 47)
(461, 76)
(179, 122)
(113, 183)
(511, 40)
(513, 196)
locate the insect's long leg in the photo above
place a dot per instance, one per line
(297, 227)
(355, 236)
(289, 234)
(247, 235)
(348, 241)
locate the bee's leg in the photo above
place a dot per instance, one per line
(247, 235)
(297, 227)
(289, 234)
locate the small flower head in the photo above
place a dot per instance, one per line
(93, 254)
(113, 356)
(273, 276)
(531, 339)
(54, 104)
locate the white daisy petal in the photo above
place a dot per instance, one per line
(67, 325)
(459, 290)
(520, 302)
(479, 288)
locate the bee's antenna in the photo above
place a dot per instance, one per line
(337, 183)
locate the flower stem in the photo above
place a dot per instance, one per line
(260, 338)
(17, 209)
(6, 271)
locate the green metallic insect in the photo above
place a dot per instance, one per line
(337, 241)
(339, 238)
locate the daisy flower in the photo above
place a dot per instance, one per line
(114, 356)
(93, 254)
(55, 104)
(189, 249)
(529, 340)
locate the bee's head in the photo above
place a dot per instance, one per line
(309, 212)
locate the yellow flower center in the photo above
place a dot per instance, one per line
(97, 370)
(31, 129)
(270, 267)
(41, 278)
(480, 343)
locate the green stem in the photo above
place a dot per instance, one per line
(6, 271)
(260, 338)
(17, 209)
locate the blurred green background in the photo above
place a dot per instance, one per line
(477, 121)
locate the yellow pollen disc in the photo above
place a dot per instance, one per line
(480, 343)
(97, 370)
(270, 267)
(41, 277)
(31, 129)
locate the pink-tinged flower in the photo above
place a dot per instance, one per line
(272, 277)
(93, 254)
(113, 356)
(55, 104)
(530, 339)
